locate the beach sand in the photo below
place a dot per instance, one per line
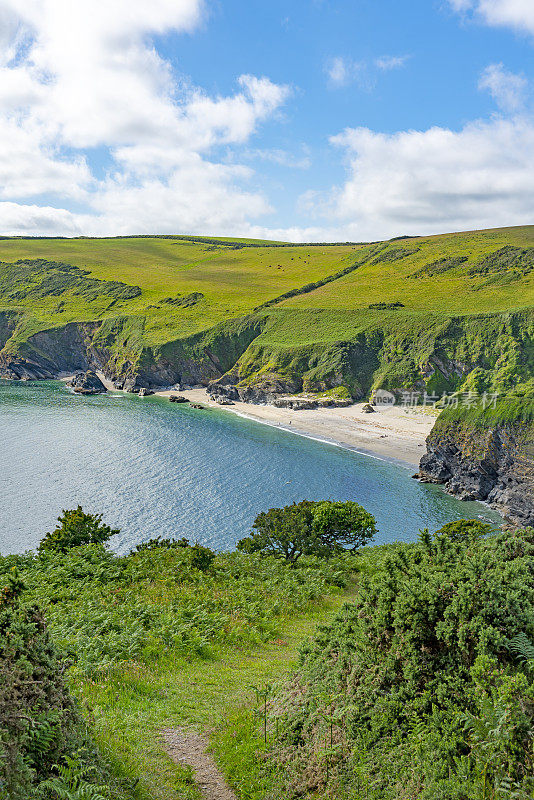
(392, 433)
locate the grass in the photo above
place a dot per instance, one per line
(130, 706)
(154, 641)
(302, 312)
(233, 282)
(453, 292)
(236, 281)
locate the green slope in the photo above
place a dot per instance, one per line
(422, 311)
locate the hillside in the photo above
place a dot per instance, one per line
(421, 688)
(417, 682)
(419, 312)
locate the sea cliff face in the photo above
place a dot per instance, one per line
(261, 356)
(494, 464)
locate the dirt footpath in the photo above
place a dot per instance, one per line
(190, 749)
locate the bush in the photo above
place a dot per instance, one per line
(76, 528)
(201, 557)
(424, 687)
(157, 541)
(39, 724)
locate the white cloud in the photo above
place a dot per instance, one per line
(417, 182)
(518, 14)
(386, 63)
(76, 75)
(281, 157)
(506, 88)
(344, 71)
(35, 220)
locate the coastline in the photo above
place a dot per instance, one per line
(392, 433)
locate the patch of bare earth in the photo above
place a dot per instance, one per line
(190, 749)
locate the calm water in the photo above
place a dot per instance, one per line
(154, 468)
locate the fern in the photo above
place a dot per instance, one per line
(522, 648)
(41, 735)
(71, 783)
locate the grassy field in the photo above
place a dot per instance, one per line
(234, 282)
(391, 314)
(453, 291)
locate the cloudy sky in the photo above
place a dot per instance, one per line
(307, 120)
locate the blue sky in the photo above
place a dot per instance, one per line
(355, 119)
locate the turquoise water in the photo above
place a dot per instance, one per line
(155, 468)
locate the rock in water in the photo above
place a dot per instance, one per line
(87, 383)
(177, 398)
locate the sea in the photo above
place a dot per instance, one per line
(154, 468)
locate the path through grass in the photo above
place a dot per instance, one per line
(132, 704)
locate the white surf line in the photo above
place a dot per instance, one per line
(397, 462)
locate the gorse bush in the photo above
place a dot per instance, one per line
(423, 688)
(39, 724)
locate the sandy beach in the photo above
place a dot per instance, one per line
(392, 433)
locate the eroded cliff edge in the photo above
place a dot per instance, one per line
(486, 456)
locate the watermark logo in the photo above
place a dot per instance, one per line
(449, 400)
(383, 398)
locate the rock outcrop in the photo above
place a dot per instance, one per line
(493, 464)
(87, 383)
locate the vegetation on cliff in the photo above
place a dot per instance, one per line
(436, 313)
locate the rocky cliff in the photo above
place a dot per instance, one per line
(493, 463)
(262, 356)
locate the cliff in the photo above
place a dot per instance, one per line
(260, 356)
(486, 456)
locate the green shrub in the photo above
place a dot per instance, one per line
(201, 557)
(76, 528)
(39, 724)
(419, 689)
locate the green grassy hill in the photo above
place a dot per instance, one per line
(414, 312)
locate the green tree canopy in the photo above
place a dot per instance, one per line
(76, 528)
(310, 528)
(464, 529)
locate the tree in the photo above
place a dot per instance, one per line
(76, 528)
(341, 526)
(310, 528)
(463, 530)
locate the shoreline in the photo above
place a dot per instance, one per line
(349, 428)
(392, 433)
